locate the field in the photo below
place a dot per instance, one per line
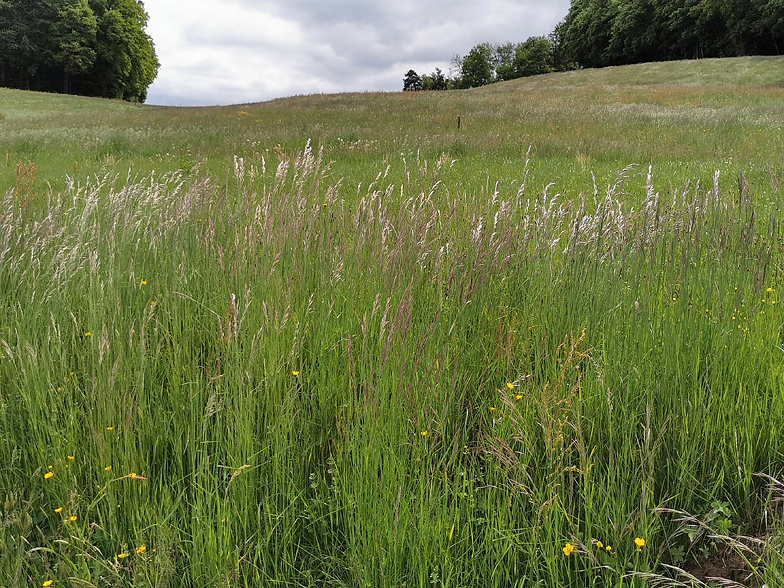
(336, 340)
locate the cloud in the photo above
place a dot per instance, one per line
(235, 51)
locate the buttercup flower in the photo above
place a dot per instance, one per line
(58, 509)
(640, 543)
(567, 549)
(108, 468)
(424, 433)
(294, 373)
(599, 544)
(47, 583)
(510, 385)
(48, 475)
(72, 519)
(141, 549)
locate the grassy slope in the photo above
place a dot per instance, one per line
(686, 118)
(437, 377)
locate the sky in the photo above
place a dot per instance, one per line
(240, 51)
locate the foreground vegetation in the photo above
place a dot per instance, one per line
(399, 354)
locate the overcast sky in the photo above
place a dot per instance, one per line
(238, 51)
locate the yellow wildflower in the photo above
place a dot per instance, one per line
(144, 282)
(141, 549)
(424, 433)
(567, 549)
(72, 518)
(110, 428)
(519, 397)
(58, 509)
(599, 544)
(48, 475)
(108, 468)
(47, 583)
(120, 556)
(640, 543)
(609, 548)
(294, 373)
(510, 385)
(88, 334)
(71, 457)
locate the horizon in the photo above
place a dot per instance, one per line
(301, 48)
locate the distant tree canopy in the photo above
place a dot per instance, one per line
(88, 47)
(412, 82)
(487, 63)
(598, 33)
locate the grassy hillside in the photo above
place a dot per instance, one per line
(337, 341)
(685, 118)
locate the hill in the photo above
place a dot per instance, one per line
(698, 115)
(337, 341)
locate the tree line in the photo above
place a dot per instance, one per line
(600, 33)
(487, 63)
(87, 47)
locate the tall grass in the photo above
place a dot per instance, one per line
(262, 381)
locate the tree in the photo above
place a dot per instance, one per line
(773, 23)
(435, 81)
(560, 62)
(73, 37)
(503, 61)
(587, 31)
(95, 47)
(9, 41)
(534, 57)
(412, 82)
(635, 35)
(126, 63)
(476, 67)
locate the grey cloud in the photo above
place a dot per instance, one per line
(264, 49)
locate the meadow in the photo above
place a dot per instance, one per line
(334, 340)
